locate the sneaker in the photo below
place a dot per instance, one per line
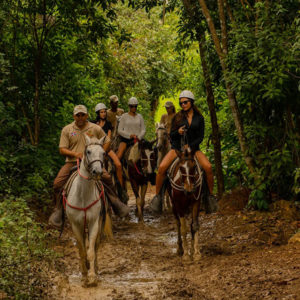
(156, 204)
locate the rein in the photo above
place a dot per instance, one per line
(198, 183)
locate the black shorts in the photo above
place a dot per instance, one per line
(128, 142)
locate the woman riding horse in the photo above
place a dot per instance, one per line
(131, 127)
(188, 122)
(101, 120)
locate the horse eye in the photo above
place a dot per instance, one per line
(88, 152)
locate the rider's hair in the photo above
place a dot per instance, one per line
(98, 116)
(181, 115)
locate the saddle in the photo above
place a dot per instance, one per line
(66, 188)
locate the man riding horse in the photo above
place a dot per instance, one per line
(113, 113)
(72, 145)
(187, 123)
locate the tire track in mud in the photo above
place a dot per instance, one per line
(141, 262)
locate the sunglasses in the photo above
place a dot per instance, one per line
(133, 106)
(184, 102)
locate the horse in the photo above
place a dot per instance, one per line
(86, 207)
(140, 173)
(187, 189)
(163, 146)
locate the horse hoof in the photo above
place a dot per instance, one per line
(197, 257)
(93, 282)
(84, 282)
(186, 258)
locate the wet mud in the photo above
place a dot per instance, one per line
(245, 255)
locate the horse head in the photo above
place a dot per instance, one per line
(161, 135)
(94, 156)
(148, 157)
(188, 170)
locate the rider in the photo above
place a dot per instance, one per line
(101, 120)
(72, 145)
(113, 112)
(168, 117)
(190, 121)
(131, 127)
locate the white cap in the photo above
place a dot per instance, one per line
(79, 109)
(133, 101)
(100, 106)
(114, 98)
(187, 94)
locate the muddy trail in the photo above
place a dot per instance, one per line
(245, 255)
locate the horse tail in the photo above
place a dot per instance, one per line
(107, 228)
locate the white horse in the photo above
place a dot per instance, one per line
(85, 207)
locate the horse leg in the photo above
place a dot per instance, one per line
(142, 204)
(91, 255)
(80, 237)
(179, 240)
(135, 188)
(195, 233)
(168, 201)
(183, 231)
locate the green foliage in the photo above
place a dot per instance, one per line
(23, 251)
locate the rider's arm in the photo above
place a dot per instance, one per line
(198, 134)
(67, 152)
(143, 129)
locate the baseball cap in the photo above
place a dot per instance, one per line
(79, 109)
(169, 104)
(114, 98)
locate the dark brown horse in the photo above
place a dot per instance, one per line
(142, 172)
(186, 188)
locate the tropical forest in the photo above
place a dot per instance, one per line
(237, 62)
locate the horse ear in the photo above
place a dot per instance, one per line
(156, 125)
(87, 140)
(101, 141)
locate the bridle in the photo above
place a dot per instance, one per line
(87, 163)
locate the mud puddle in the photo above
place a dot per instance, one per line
(239, 261)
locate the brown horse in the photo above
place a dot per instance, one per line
(187, 188)
(142, 172)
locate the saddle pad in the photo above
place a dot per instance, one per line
(69, 183)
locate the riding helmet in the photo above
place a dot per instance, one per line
(100, 106)
(187, 94)
(133, 101)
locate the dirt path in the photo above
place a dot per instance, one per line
(245, 256)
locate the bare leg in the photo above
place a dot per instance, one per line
(118, 166)
(166, 162)
(121, 150)
(206, 165)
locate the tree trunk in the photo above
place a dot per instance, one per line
(213, 117)
(230, 93)
(211, 105)
(37, 74)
